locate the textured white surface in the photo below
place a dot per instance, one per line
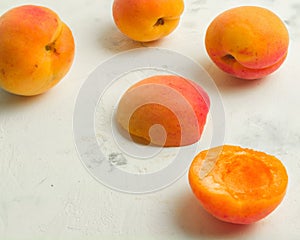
(46, 193)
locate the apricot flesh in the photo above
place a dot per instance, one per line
(164, 110)
(248, 42)
(238, 185)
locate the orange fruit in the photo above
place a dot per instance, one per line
(238, 185)
(36, 50)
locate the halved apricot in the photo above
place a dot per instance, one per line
(238, 185)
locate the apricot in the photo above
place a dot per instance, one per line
(164, 110)
(238, 185)
(247, 42)
(147, 20)
(36, 50)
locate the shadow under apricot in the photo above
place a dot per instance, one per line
(10, 101)
(227, 83)
(113, 40)
(130, 137)
(196, 222)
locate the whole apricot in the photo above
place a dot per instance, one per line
(248, 42)
(36, 50)
(147, 20)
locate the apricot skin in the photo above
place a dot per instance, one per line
(257, 189)
(164, 110)
(36, 50)
(247, 42)
(147, 20)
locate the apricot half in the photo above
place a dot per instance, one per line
(164, 110)
(238, 185)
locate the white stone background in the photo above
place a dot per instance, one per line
(46, 193)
